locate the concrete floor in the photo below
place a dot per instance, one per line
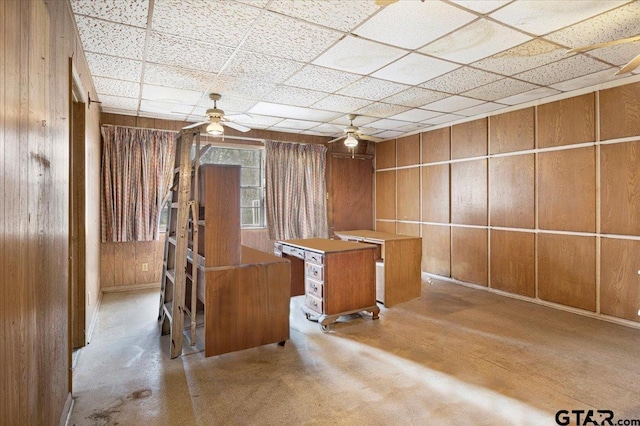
(456, 356)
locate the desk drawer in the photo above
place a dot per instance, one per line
(313, 303)
(313, 257)
(313, 287)
(313, 271)
(292, 251)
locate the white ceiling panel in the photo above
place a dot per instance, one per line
(373, 89)
(387, 124)
(389, 134)
(566, 69)
(228, 103)
(298, 124)
(484, 6)
(416, 114)
(180, 78)
(343, 104)
(119, 103)
(500, 89)
(412, 24)
(414, 69)
(287, 111)
(522, 58)
(382, 110)
(112, 67)
(129, 12)
(460, 80)
(481, 109)
(253, 120)
(171, 95)
(332, 129)
(108, 86)
(256, 3)
(452, 104)
(415, 97)
(358, 56)
(164, 107)
(542, 17)
(444, 118)
(106, 37)
(243, 88)
(532, 95)
(587, 80)
(249, 65)
(187, 53)
(360, 120)
(412, 127)
(339, 14)
(617, 55)
(321, 79)
(475, 41)
(294, 96)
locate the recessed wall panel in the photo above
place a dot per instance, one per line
(469, 192)
(408, 150)
(436, 145)
(512, 131)
(408, 194)
(512, 192)
(412, 229)
(620, 188)
(435, 193)
(513, 262)
(469, 255)
(386, 154)
(568, 121)
(620, 112)
(386, 194)
(389, 227)
(620, 283)
(436, 249)
(469, 139)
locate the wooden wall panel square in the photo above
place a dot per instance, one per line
(469, 139)
(386, 195)
(408, 150)
(620, 188)
(107, 257)
(408, 194)
(389, 227)
(145, 253)
(469, 192)
(435, 193)
(512, 131)
(567, 121)
(619, 289)
(412, 229)
(469, 255)
(436, 145)
(620, 112)
(513, 262)
(512, 191)
(124, 264)
(567, 190)
(386, 155)
(436, 250)
(567, 270)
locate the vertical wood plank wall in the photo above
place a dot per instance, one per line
(542, 202)
(37, 38)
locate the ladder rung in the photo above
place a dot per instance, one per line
(168, 310)
(171, 274)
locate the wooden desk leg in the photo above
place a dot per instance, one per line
(375, 310)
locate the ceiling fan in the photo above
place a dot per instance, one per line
(630, 66)
(352, 135)
(217, 119)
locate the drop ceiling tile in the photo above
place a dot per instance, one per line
(253, 120)
(542, 17)
(389, 134)
(262, 67)
(414, 69)
(566, 69)
(186, 53)
(381, 110)
(387, 124)
(415, 97)
(224, 22)
(108, 86)
(461, 80)
(500, 89)
(256, 3)
(330, 129)
(171, 95)
(316, 133)
(588, 80)
(293, 112)
(444, 118)
(412, 127)
(129, 12)
(241, 87)
(106, 37)
(298, 124)
(289, 38)
(321, 79)
(228, 103)
(163, 116)
(360, 120)
(452, 104)
(483, 7)
(339, 14)
(164, 107)
(475, 41)
(358, 56)
(342, 104)
(373, 89)
(522, 58)
(481, 109)
(294, 96)
(412, 24)
(532, 95)
(416, 114)
(617, 55)
(119, 103)
(112, 67)
(179, 78)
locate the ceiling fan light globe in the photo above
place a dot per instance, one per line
(215, 129)
(350, 141)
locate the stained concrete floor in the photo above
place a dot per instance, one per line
(455, 356)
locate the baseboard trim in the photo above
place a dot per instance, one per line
(619, 321)
(66, 411)
(131, 287)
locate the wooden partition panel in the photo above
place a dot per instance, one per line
(620, 188)
(469, 139)
(567, 190)
(435, 193)
(567, 121)
(412, 229)
(469, 255)
(408, 194)
(408, 150)
(469, 192)
(389, 227)
(512, 192)
(620, 112)
(567, 270)
(513, 262)
(512, 131)
(386, 195)
(350, 204)
(619, 289)
(122, 264)
(436, 249)
(436, 145)
(386, 154)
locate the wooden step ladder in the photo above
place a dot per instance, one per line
(182, 219)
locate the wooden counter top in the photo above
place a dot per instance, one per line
(323, 245)
(373, 235)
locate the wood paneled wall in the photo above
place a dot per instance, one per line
(36, 41)
(541, 202)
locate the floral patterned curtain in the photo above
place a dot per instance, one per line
(137, 172)
(296, 190)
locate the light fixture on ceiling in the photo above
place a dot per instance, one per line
(350, 141)
(215, 128)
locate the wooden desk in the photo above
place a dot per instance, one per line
(401, 255)
(336, 277)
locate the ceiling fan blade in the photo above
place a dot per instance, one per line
(631, 65)
(238, 127)
(605, 44)
(369, 138)
(194, 125)
(336, 139)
